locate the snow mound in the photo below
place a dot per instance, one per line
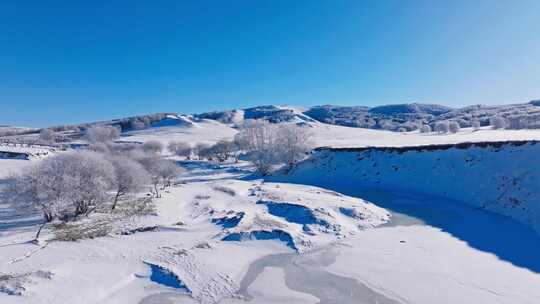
(300, 216)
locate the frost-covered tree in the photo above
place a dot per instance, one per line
(129, 177)
(425, 129)
(442, 127)
(76, 183)
(223, 149)
(475, 124)
(101, 134)
(153, 146)
(39, 188)
(100, 147)
(90, 177)
(202, 150)
(47, 135)
(293, 143)
(259, 140)
(179, 148)
(453, 127)
(161, 171)
(498, 122)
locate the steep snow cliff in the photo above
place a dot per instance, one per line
(503, 177)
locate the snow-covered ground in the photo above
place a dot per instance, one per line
(203, 131)
(211, 131)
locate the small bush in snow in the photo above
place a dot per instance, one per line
(224, 189)
(74, 231)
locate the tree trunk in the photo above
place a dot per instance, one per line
(115, 200)
(156, 190)
(45, 221)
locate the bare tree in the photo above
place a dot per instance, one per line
(153, 146)
(425, 129)
(293, 143)
(498, 122)
(129, 177)
(453, 127)
(101, 134)
(161, 171)
(259, 139)
(179, 148)
(202, 150)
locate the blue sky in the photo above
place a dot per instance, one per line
(65, 62)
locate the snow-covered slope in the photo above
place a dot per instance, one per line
(500, 177)
(184, 129)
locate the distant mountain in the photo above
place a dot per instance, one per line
(395, 117)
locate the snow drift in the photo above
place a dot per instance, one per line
(498, 176)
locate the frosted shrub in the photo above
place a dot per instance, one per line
(453, 127)
(425, 129)
(179, 148)
(498, 122)
(202, 151)
(442, 127)
(153, 146)
(223, 149)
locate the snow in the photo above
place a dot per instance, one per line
(279, 292)
(421, 264)
(339, 137)
(498, 178)
(211, 131)
(192, 132)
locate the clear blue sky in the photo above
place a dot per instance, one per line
(76, 61)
